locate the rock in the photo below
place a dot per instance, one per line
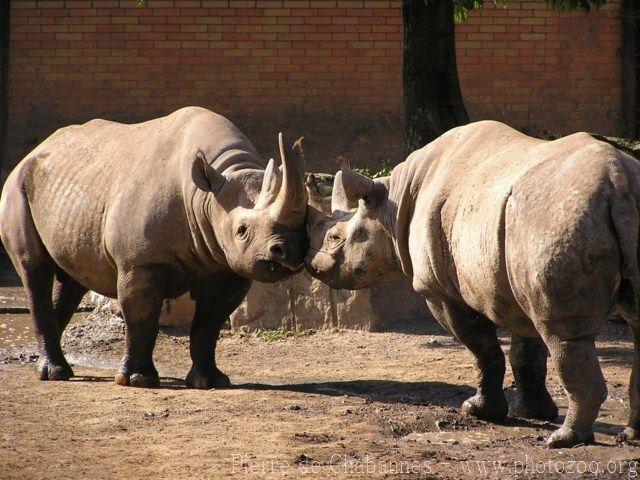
(177, 312)
(302, 302)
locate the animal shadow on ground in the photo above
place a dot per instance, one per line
(170, 383)
(386, 391)
(440, 394)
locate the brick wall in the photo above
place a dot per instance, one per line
(532, 66)
(330, 69)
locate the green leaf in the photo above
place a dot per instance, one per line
(461, 8)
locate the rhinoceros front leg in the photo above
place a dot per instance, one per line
(141, 293)
(528, 358)
(215, 301)
(478, 334)
(581, 376)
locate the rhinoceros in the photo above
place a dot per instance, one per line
(145, 212)
(495, 228)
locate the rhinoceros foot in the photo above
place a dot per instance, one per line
(629, 434)
(494, 408)
(48, 370)
(204, 379)
(540, 407)
(139, 380)
(566, 437)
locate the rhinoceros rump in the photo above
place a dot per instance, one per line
(146, 212)
(497, 228)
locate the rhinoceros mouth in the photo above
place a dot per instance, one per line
(281, 268)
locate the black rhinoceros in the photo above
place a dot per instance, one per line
(496, 228)
(145, 212)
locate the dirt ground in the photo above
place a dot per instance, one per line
(345, 404)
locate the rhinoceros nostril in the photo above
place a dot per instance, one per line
(277, 251)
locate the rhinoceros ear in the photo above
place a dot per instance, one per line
(205, 176)
(313, 193)
(298, 152)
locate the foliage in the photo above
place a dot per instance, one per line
(385, 171)
(281, 333)
(463, 7)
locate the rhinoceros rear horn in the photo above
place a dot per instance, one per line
(270, 185)
(205, 176)
(289, 206)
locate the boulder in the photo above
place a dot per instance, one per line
(303, 302)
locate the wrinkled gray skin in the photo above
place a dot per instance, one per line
(497, 228)
(147, 212)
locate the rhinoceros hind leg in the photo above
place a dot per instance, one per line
(577, 364)
(478, 334)
(223, 296)
(528, 358)
(632, 431)
(141, 293)
(36, 269)
(38, 283)
(67, 294)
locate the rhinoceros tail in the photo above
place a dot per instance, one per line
(626, 221)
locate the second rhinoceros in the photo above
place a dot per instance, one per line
(145, 212)
(496, 228)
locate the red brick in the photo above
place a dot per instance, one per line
(279, 53)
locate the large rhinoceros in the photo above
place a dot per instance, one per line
(497, 228)
(145, 212)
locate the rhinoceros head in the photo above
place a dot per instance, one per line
(260, 230)
(350, 247)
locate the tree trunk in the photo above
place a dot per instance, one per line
(432, 96)
(4, 78)
(630, 69)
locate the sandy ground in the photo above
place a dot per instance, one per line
(344, 404)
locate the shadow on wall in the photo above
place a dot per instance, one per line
(365, 138)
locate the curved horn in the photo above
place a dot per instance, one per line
(339, 199)
(356, 186)
(269, 186)
(290, 205)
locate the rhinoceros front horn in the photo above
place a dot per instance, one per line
(289, 206)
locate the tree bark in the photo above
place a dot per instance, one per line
(630, 69)
(432, 97)
(4, 77)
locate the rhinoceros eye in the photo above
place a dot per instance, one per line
(242, 230)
